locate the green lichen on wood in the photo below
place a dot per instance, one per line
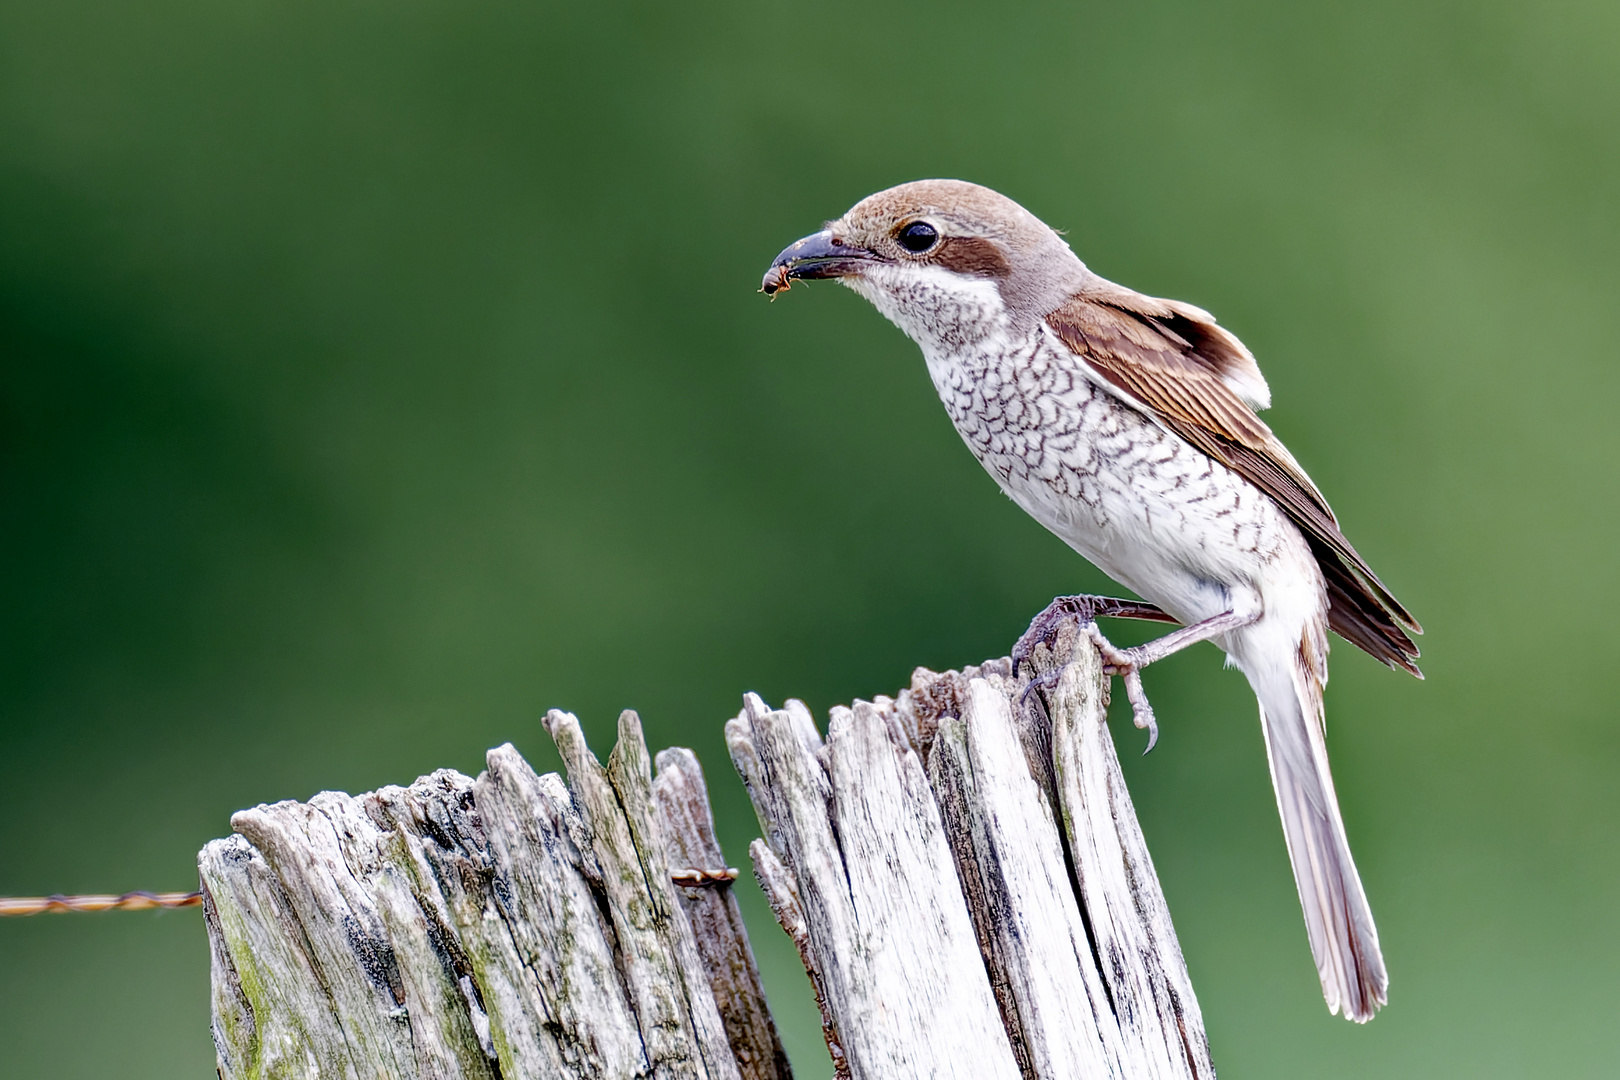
(505, 926)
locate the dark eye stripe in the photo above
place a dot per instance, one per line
(974, 255)
(918, 237)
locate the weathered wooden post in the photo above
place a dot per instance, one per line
(960, 868)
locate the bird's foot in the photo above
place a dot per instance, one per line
(1083, 609)
(1126, 663)
(1044, 625)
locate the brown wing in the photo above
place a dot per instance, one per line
(1177, 364)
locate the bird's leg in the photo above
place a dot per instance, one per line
(1128, 663)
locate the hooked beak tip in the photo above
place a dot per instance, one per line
(819, 255)
(777, 279)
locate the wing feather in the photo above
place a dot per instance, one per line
(1201, 383)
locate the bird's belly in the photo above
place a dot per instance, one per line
(1139, 502)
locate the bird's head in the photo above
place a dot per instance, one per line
(943, 259)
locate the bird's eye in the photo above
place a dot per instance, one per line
(918, 237)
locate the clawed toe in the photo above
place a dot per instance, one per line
(1127, 664)
(1141, 712)
(1044, 681)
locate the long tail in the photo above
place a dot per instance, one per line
(1343, 938)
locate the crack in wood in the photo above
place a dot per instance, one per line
(959, 868)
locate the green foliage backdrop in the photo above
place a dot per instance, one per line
(374, 376)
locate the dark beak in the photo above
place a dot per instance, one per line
(816, 256)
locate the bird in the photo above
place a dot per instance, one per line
(1127, 425)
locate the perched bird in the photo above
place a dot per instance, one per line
(1126, 425)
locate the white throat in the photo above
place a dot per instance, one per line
(945, 313)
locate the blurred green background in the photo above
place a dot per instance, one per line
(374, 376)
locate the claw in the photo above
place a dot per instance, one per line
(1141, 711)
(1042, 681)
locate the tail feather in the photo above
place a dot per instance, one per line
(1337, 916)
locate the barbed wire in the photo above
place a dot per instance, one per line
(130, 901)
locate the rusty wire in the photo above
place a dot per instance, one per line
(130, 901)
(141, 900)
(696, 878)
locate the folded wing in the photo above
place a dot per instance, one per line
(1172, 361)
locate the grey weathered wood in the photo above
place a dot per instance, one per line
(783, 893)
(716, 921)
(967, 882)
(959, 867)
(891, 939)
(1141, 959)
(508, 926)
